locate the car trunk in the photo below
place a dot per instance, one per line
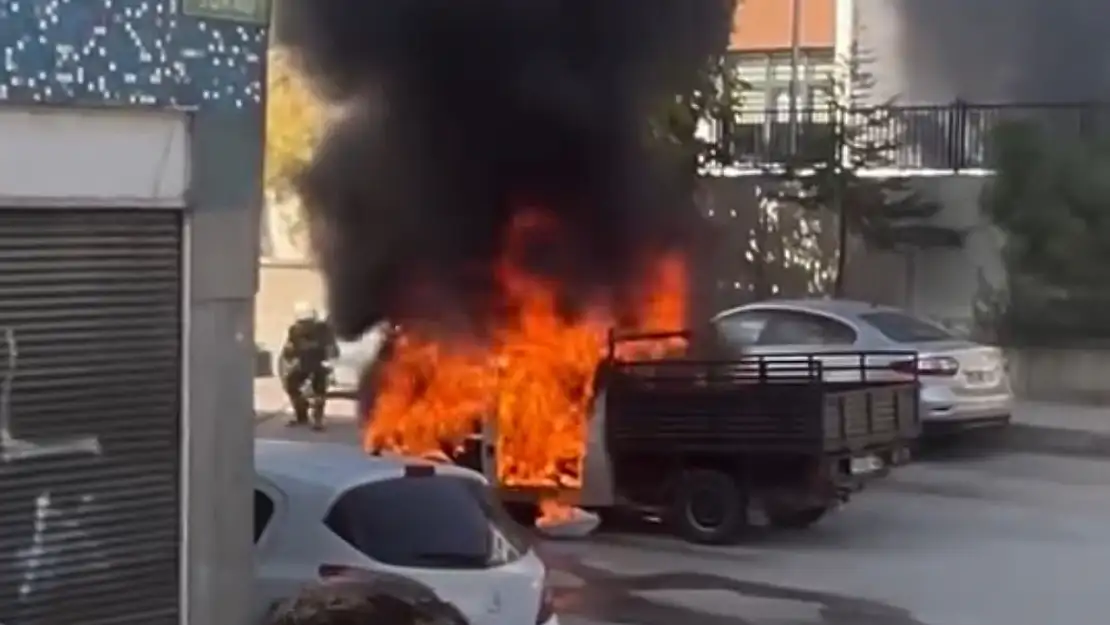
(981, 368)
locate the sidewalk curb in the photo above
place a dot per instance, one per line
(1054, 441)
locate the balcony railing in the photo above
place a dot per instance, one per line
(949, 137)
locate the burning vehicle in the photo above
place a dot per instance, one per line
(496, 187)
(666, 423)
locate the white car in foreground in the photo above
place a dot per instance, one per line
(324, 510)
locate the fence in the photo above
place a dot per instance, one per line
(945, 137)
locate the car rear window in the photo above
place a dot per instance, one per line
(436, 521)
(905, 328)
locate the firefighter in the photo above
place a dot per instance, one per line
(305, 358)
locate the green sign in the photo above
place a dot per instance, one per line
(253, 11)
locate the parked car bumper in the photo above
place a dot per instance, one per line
(947, 413)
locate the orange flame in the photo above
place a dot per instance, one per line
(534, 379)
(554, 512)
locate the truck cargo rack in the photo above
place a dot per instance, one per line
(838, 402)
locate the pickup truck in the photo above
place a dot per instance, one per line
(708, 440)
(706, 443)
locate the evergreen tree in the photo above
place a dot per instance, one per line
(841, 147)
(692, 122)
(1050, 198)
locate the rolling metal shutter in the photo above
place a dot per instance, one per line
(90, 340)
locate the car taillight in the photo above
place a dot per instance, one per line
(943, 366)
(547, 604)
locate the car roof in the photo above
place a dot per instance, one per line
(333, 467)
(838, 307)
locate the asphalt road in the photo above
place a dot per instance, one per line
(994, 540)
(968, 539)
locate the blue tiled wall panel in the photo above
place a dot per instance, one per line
(130, 52)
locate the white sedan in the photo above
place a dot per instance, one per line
(324, 510)
(964, 385)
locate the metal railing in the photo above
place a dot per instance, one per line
(955, 136)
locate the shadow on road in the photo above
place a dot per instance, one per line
(617, 598)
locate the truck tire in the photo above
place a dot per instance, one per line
(708, 507)
(524, 513)
(796, 519)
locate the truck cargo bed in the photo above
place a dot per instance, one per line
(767, 403)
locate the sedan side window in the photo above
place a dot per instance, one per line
(798, 328)
(742, 329)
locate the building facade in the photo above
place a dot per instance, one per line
(131, 135)
(763, 53)
(761, 46)
(953, 71)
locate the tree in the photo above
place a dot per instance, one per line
(836, 145)
(1050, 198)
(294, 121)
(686, 127)
(692, 122)
(756, 251)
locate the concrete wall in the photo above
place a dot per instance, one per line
(1080, 375)
(148, 54)
(945, 283)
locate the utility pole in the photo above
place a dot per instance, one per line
(795, 71)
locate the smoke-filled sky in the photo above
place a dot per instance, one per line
(462, 114)
(932, 51)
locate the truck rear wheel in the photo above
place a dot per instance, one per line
(523, 512)
(795, 519)
(708, 507)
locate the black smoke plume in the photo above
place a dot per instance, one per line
(1023, 52)
(459, 115)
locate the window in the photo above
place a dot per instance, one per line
(798, 328)
(263, 512)
(904, 328)
(742, 329)
(436, 521)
